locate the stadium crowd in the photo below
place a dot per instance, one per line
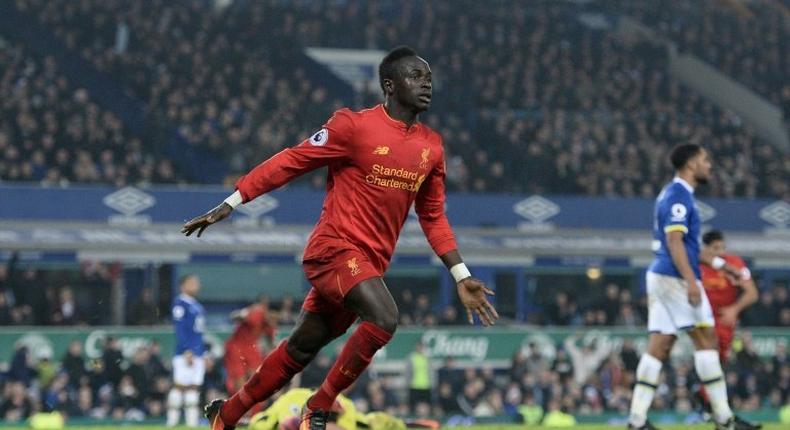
(618, 307)
(30, 296)
(745, 40)
(541, 102)
(55, 134)
(213, 75)
(544, 103)
(573, 376)
(529, 98)
(74, 297)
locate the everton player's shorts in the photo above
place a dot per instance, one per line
(668, 308)
(188, 370)
(332, 276)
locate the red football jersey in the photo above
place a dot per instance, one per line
(721, 292)
(252, 327)
(378, 168)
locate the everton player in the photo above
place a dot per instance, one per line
(188, 365)
(381, 161)
(676, 298)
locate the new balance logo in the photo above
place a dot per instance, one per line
(381, 150)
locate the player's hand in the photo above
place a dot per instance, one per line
(732, 271)
(472, 293)
(694, 294)
(200, 223)
(728, 315)
(734, 280)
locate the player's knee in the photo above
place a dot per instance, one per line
(659, 354)
(387, 321)
(711, 342)
(175, 398)
(660, 350)
(191, 398)
(705, 338)
(665, 351)
(302, 350)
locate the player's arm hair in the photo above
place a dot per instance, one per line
(679, 256)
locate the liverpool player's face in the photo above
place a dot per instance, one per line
(713, 249)
(717, 248)
(412, 87)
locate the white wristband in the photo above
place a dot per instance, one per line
(234, 199)
(717, 263)
(460, 272)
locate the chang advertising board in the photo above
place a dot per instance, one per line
(466, 344)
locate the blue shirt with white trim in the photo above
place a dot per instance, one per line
(675, 210)
(189, 321)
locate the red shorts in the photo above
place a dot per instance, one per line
(332, 277)
(725, 335)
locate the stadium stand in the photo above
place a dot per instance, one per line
(530, 99)
(745, 40)
(53, 133)
(30, 296)
(610, 305)
(133, 389)
(580, 137)
(603, 109)
(229, 89)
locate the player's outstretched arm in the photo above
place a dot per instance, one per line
(200, 223)
(472, 292)
(429, 206)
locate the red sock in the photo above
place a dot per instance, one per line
(355, 357)
(277, 369)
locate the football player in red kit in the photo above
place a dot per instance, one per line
(729, 286)
(242, 355)
(381, 161)
(730, 289)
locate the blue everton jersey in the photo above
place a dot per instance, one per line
(189, 321)
(675, 211)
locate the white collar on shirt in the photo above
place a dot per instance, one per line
(189, 299)
(685, 184)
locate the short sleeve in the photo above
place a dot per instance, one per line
(676, 213)
(333, 139)
(178, 312)
(739, 264)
